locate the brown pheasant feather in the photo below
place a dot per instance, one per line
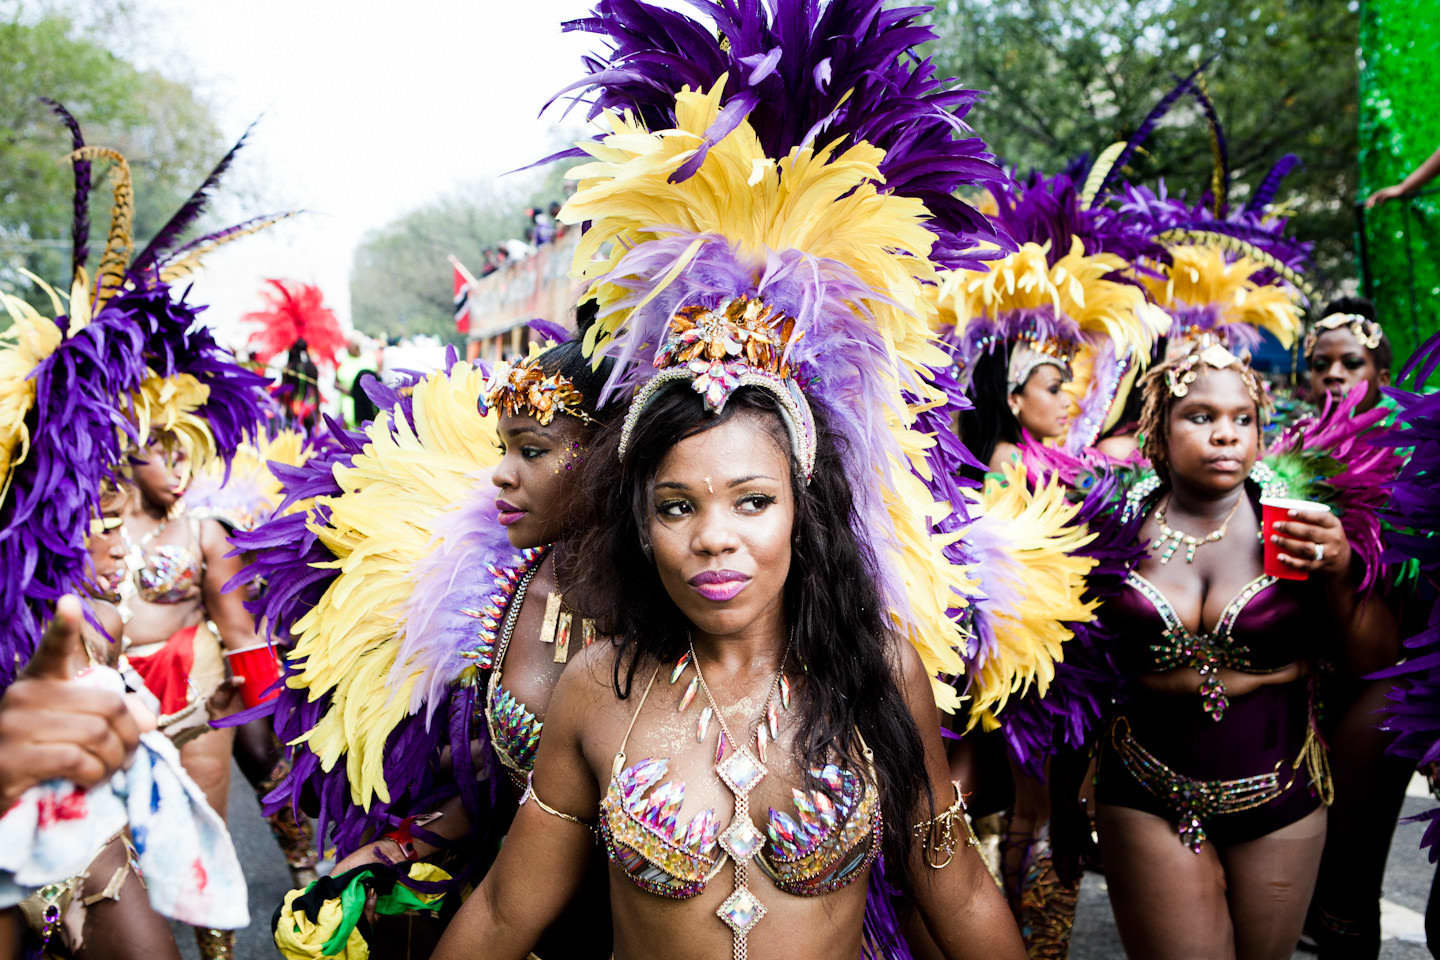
(119, 243)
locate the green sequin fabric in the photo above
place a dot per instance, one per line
(1399, 128)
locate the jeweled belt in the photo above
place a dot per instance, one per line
(1196, 800)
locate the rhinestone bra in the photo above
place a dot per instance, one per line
(1207, 652)
(825, 845)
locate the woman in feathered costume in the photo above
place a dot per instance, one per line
(297, 324)
(1216, 735)
(466, 664)
(1346, 351)
(767, 537)
(1043, 563)
(123, 364)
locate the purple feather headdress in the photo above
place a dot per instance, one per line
(803, 72)
(131, 326)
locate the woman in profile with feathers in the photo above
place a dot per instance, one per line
(517, 517)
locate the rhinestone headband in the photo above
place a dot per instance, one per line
(524, 389)
(1365, 331)
(741, 343)
(1030, 352)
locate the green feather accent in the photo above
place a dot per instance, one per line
(1306, 473)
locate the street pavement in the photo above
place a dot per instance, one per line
(1407, 883)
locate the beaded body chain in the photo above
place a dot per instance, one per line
(741, 773)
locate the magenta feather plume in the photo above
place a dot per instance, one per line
(1354, 472)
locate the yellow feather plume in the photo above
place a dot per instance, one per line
(29, 339)
(164, 408)
(193, 259)
(1100, 171)
(1075, 287)
(1201, 275)
(395, 494)
(813, 199)
(1042, 581)
(119, 242)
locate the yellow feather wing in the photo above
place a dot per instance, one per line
(118, 242)
(379, 529)
(1031, 563)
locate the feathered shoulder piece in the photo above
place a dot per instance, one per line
(121, 357)
(1413, 513)
(725, 255)
(413, 557)
(1046, 553)
(802, 73)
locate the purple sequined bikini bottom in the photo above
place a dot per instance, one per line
(1230, 781)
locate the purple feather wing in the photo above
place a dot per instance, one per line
(1413, 511)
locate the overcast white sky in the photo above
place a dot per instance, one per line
(369, 108)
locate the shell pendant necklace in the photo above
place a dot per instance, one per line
(741, 772)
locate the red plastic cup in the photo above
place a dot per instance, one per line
(1273, 510)
(260, 667)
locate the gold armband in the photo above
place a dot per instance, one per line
(530, 794)
(938, 833)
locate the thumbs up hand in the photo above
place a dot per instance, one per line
(51, 727)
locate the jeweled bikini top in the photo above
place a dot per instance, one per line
(169, 573)
(827, 845)
(514, 729)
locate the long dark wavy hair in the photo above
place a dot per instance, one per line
(990, 422)
(832, 604)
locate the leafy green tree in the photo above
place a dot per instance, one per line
(162, 128)
(1067, 78)
(401, 280)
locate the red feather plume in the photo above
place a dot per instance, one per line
(295, 311)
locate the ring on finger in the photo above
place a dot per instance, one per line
(1319, 552)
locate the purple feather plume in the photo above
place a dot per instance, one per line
(80, 217)
(1413, 510)
(1264, 194)
(803, 71)
(169, 235)
(1148, 125)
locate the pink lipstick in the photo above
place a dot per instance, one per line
(508, 513)
(719, 585)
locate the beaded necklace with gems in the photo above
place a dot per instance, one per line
(740, 772)
(1170, 538)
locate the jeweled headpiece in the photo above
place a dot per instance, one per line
(1210, 349)
(1366, 332)
(741, 343)
(526, 389)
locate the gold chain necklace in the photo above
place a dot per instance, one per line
(741, 773)
(1170, 538)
